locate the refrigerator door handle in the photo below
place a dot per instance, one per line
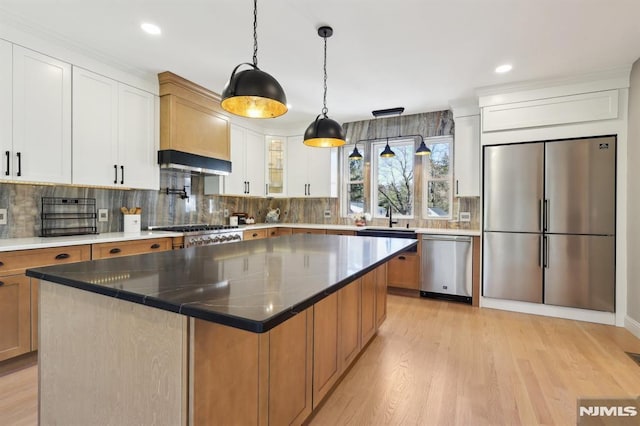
(540, 216)
(545, 216)
(540, 251)
(546, 252)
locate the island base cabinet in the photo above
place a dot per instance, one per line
(326, 366)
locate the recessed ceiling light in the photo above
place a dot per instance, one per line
(150, 28)
(503, 68)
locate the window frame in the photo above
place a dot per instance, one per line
(448, 139)
(375, 161)
(346, 181)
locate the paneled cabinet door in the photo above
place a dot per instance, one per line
(6, 108)
(41, 117)
(297, 173)
(235, 183)
(95, 129)
(138, 138)
(466, 153)
(311, 172)
(247, 159)
(15, 316)
(368, 307)
(254, 163)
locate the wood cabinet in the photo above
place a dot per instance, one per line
(273, 232)
(311, 172)
(381, 294)
(19, 294)
(326, 364)
(307, 231)
(15, 316)
(191, 119)
(128, 248)
(114, 133)
(339, 232)
(283, 231)
(254, 234)
(466, 151)
(349, 323)
(404, 271)
(368, 324)
(41, 116)
(247, 157)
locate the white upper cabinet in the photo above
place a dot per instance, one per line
(311, 172)
(41, 150)
(247, 163)
(466, 152)
(114, 133)
(138, 138)
(6, 108)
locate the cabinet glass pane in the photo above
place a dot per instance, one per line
(275, 165)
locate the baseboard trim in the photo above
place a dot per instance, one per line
(632, 325)
(607, 318)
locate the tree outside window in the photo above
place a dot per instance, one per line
(392, 179)
(437, 196)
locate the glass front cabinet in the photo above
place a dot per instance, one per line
(275, 170)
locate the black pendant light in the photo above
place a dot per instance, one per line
(355, 155)
(324, 132)
(253, 93)
(423, 149)
(387, 153)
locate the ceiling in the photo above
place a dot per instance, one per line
(420, 54)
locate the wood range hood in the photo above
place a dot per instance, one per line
(194, 131)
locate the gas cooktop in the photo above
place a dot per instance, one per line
(193, 228)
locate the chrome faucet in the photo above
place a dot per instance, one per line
(391, 221)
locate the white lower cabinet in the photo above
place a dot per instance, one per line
(41, 109)
(311, 172)
(114, 133)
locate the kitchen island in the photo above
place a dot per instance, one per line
(255, 332)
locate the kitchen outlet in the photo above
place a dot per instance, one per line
(465, 217)
(3, 216)
(327, 214)
(103, 215)
(226, 212)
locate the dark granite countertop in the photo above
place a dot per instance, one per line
(252, 285)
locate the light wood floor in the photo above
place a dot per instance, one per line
(440, 363)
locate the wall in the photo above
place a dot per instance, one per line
(438, 123)
(633, 196)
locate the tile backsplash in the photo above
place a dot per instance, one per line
(23, 204)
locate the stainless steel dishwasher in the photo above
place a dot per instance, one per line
(446, 267)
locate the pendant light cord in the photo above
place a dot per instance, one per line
(324, 109)
(255, 33)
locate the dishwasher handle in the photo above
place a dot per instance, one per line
(460, 238)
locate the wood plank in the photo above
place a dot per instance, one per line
(225, 375)
(349, 324)
(368, 308)
(326, 367)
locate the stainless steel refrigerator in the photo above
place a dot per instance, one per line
(549, 222)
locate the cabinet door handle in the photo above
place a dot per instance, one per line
(8, 154)
(248, 187)
(115, 250)
(115, 170)
(402, 258)
(155, 246)
(19, 154)
(1, 283)
(62, 256)
(309, 189)
(122, 175)
(1, 263)
(266, 188)
(457, 187)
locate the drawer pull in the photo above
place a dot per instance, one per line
(1, 283)
(155, 246)
(254, 235)
(115, 250)
(62, 256)
(1, 263)
(402, 258)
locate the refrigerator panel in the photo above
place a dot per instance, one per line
(513, 187)
(580, 272)
(580, 186)
(512, 266)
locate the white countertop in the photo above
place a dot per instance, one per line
(10, 244)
